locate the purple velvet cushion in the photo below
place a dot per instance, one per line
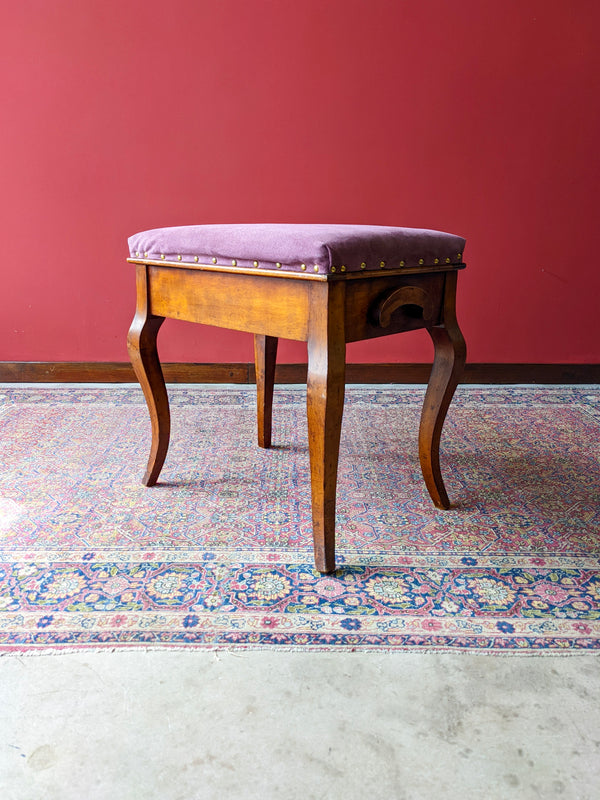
(299, 248)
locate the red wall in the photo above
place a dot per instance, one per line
(479, 117)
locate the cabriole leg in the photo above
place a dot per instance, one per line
(325, 405)
(449, 361)
(141, 344)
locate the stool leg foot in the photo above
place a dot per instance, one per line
(449, 360)
(141, 343)
(265, 354)
(325, 405)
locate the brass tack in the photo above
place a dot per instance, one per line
(136, 252)
(459, 255)
(214, 260)
(382, 264)
(302, 267)
(278, 265)
(402, 263)
(332, 269)
(343, 268)
(162, 255)
(363, 265)
(145, 255)
(196, 259)
(447, 261)
(234, 263)
(436, 261)
(255, 263)
(178, 258)
(316, 268)
(421, 262)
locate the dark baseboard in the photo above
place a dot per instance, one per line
(121, 372)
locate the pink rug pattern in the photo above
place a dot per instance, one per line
(219, 554)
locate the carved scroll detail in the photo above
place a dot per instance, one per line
(404, 296)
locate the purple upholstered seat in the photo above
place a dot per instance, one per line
(299, 248)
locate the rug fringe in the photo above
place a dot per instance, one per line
(429, 651)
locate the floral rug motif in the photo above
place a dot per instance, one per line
(219, 553)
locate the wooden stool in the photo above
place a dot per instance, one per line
(323, 284)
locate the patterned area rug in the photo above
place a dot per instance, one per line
(219, 554)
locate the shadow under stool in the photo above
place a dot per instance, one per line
(322, 284)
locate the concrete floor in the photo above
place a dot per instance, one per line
(263, 724)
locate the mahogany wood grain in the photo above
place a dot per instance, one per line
(325, 405)
(449, 360)
(141, 343)
(254, 303)
(364, 301)
(265, 355)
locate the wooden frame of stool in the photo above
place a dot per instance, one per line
(326, 311)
